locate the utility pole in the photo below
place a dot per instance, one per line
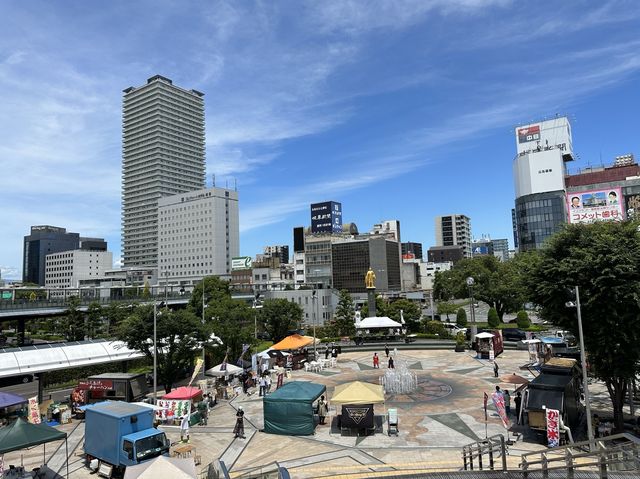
(583, 360)
(203, 343)
(314, 298)
(155, 352)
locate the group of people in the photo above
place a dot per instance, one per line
(376, 359)
(261, 381)
(330, 350)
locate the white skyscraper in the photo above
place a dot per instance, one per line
(198, 234)
(163, 155)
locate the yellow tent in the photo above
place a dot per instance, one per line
(295, 341)
(358, 392)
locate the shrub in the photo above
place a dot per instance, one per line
(461, 318)
(492, 318)
(436, 327)
(461, 339)
(523, 320)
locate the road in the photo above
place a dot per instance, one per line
(31, 389)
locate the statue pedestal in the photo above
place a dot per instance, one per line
(371, 301)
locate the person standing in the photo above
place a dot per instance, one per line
(263, 385)
(376, 361)
(495, 369)
(184, 428)
(267, 380)
(507, 401)
(391, 365)
(517, 401)
(386, 349)
(326, 352)
(323, 409)
(238, 430)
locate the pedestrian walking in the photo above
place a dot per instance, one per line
(507, 402)
(391, 365)
(326, 352)
(263, 385)
(386, 349)
(238, 430)
(323, 409)
(267, 380)
(517, 401)
(184, 428)
(376, 361)
(495, 369)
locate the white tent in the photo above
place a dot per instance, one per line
(162, 467)
(265, 354)
(378, 322)
(484, 335)
(230, 370)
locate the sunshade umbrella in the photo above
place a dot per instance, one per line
(513, 379)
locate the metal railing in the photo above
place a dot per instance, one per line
(617, 453)
(494, 447)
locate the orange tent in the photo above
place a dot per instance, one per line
(295, 341)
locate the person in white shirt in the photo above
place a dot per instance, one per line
(184, 428)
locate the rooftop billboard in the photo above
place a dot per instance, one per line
(595, 205)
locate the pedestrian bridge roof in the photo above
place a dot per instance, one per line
(40, 358)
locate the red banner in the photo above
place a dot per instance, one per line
(498, 402)
(553, 427)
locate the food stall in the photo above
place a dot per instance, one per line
(12, 406)
(489, 344)
(295, 344)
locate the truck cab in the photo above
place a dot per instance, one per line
(142, 445)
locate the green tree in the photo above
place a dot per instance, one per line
(603, 260)
(522, 319)
(492, 318)
(343, 324)
(146, 292)
(461, 318)
(114, 314)
(233, 322)
(94, 319)
(280, 316)
(410, 311)
(73, 322)
(446, 308)
(215, 289)
(179, 334)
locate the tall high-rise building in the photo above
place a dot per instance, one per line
(42, 241)
(163, 155)
(454, 230)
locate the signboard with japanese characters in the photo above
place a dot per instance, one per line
(553, 427)
(595, 205)
(172, 409)
(34, 410)
(241, 262)
(529, 133)
(96, 384)
(326, 217)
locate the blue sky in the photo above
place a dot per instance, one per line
(400, 110)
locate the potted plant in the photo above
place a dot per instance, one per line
(460, 342)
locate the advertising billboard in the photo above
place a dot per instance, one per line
(529, 133)
(543, 135)
(595, 205)
(241, 262)
(326, 217)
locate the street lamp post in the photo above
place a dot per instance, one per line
(315, 308)
(155, 352)
(203, 323)
(583, 360)
(472, 311)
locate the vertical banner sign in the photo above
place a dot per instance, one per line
(553, 427)
(34, 410)
(486, 398)
(280, 380)
(498, 402)
(196, 370)
(254, 362)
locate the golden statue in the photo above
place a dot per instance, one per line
(369, 279)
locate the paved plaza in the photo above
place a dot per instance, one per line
(444, 413)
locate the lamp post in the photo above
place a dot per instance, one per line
(583, 360)
(155, 352)
(314, 301)
(474, 328)
(203, 323)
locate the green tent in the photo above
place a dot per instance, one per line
(289, 410)
(22, 434)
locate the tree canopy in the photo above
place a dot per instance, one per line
(410, 311)
(343, 324)
(603, 260)
(280, 316)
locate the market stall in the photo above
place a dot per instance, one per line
(163, 467)
(289, 410)
(222, 370)
(21, 435)
(294, 343)
(12, 406)
(379, 327)
(356, 400)
(185, 392)
(489, 345)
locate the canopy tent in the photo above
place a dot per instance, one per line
(358, 392)
(22, 434)
(484, 335)
(10, 399)
(184, 392)
(230, 370)
(289, 410)
(295, 341)
(378, 322)
(162, 467)
(271, 353)
(316, 340)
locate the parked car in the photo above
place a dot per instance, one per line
(513, 334)
(453, 329)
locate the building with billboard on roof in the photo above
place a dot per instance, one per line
(326, 217)
(542, 151)
(412, 250)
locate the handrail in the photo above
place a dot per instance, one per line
(603, 454)
(494, 445)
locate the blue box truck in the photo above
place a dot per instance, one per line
(120, 434)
